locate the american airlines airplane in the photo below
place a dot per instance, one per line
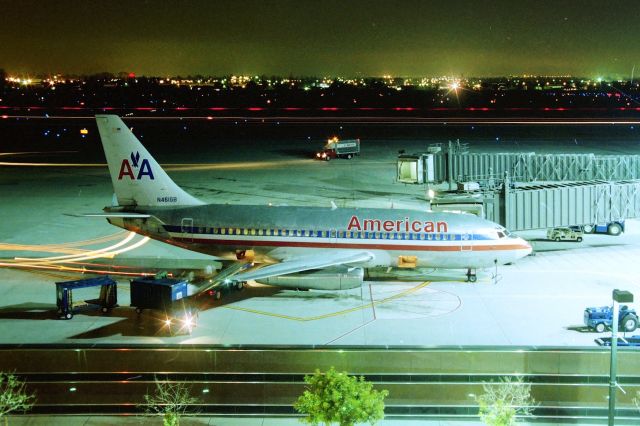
(298, 247)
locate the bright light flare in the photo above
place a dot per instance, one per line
(92, 254)
(61, 262)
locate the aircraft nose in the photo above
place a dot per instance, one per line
(526, 246)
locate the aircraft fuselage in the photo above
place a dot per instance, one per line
(403, 238)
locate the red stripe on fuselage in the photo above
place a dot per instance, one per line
(390, 247)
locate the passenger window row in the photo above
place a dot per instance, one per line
(405, 236)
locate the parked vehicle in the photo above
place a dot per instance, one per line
(601, 318)
(335, 148)
(614, 228)
(106, 301)
(565, 234)
(633, 341)
(168, 299)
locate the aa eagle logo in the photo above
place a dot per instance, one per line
(129, 169)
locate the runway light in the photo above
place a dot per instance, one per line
(72, 389)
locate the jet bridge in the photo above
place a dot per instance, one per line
(531, 207)
(578, 189)
(462, 166)
(566, 204)
(454, 163)
(532, 167)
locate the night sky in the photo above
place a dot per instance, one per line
(323, 38)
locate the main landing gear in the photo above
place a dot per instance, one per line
(226, 288)
(471, 275)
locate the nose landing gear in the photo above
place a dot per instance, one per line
(471, 275)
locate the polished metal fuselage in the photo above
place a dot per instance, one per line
(277, 233)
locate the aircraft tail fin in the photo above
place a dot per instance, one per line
(138, 180)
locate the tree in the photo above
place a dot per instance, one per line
(13, 396)
(336, 397)
(503, 401)
(170, 400)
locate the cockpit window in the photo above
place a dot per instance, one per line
(502, 232)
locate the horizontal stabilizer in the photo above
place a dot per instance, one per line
(115, 214)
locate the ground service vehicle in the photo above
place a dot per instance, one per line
(565, 234)
(336, 148)
(612, 228)
(168, 297)
(601, 318)
(633, 341)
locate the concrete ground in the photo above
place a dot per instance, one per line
(536, 301)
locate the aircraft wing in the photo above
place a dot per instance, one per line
(114, 214)
(304, 263)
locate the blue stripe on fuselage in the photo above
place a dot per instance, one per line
(306, 233)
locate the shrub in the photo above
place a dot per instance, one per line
(14, 396)
(503, 401)
(170, 400)
(336, 397)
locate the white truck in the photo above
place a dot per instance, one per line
(335, 148)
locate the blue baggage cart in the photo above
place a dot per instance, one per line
(107, 300)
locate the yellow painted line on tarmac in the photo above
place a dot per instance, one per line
(333, 314)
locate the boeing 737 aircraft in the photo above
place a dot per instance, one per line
(300, 247)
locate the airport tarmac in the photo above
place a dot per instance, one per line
(537, 301)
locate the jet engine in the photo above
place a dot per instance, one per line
(321, 279)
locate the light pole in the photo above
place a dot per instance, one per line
(619, 296)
